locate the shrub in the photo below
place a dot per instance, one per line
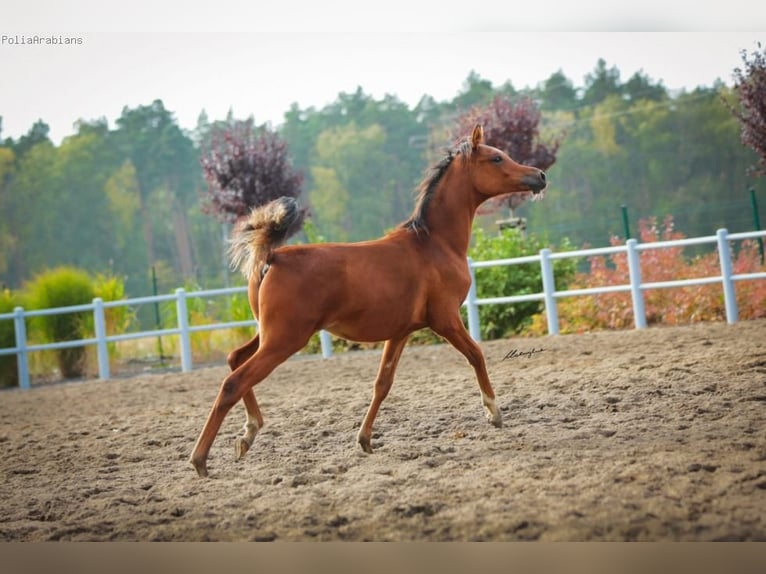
(62, 287)
(504, 320)
(751, 295)
(9, 374)
(239, 310)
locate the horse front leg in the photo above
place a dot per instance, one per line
(455, 333)
(392, 351)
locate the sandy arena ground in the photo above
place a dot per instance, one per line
(655, 435)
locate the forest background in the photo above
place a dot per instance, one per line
(126, 199)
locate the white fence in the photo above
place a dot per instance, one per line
(548, 296)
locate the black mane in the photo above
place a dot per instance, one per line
(427, 188)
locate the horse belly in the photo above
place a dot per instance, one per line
(379, 321)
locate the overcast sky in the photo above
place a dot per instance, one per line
(259, 60)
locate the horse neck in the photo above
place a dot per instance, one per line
(452, 212)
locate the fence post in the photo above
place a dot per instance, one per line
(729, 295)
(625, 223)
(101, 349)
(22, 361)
(634, 269)
(326, 342)
(756, 221)
(183, 326)
(472, 309)
(549, 290)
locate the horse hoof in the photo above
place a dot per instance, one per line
(495, 421)
(200, 467)
(241, 446)
(364, 442)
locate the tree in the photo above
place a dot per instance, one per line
(38, 133)
(476, 91)
(164, 160)
(7, 240)
(602, 83)
(640, 87)
(246, 167)
(354, 189)
(28, 199)
(558, 93)
(750, 86)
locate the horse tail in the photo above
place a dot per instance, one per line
(266, 228)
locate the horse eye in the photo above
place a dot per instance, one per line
(497, 159)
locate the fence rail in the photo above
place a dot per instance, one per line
(548, 296)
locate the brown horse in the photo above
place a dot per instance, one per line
(416, 276)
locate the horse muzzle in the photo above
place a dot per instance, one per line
(536, 182)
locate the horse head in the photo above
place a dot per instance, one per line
(494, 173)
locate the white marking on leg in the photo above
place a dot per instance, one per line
(493, 413)
(251, 429)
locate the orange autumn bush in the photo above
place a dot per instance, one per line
(666, 306)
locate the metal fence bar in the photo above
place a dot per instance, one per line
(183, 328)
(549, 289)
(512, 299)
(729, 296)
(217, 326)
(593, 291)
(634, 269)
(472, 309)
(677, 243)
(325, 342)
(22, 360)
(746, 276)
(102, 350)
(680, 283)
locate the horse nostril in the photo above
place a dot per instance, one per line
(542, 176)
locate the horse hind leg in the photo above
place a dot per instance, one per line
(235, 386)
(254, 420)
(253, 424)
(241, 354)
(392, 351)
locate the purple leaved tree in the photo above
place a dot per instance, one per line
(246, 167)
(750, 86)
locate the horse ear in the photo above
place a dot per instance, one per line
(478, 136)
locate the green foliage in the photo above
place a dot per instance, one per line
(62, 287)
(118, 319)
(9, 375)
(679, 156)
(353, 192)
(504, 320)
